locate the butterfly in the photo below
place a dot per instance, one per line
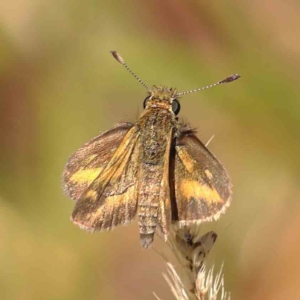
(156, 169)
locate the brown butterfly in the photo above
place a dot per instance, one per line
(156, 168)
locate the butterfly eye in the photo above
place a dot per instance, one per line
(175, 106)
(145, 101)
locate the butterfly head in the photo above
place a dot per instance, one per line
(162, 97)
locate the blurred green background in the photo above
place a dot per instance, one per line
(60, 87)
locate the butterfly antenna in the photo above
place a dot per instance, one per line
(226, 80)
(119, 58)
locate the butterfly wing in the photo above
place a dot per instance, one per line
(202, 186)
(165, 208)
(111, 199)
(89, 161)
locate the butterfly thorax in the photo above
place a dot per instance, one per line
(155, 126)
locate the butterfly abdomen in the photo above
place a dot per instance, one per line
(148, 202)
(155, 126)
(147, 214)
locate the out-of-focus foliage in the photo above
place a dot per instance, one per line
(59, 87)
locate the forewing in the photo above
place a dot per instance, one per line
(202, 185)
(111, 199)
(165, 209)
(88, 161)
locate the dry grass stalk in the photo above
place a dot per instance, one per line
(192, 280)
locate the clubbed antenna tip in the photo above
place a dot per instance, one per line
(226, 80)
(230, 78)
(118, 57)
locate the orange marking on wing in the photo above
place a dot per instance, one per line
(193, 189)
(85, 176)
(91, 194)
(124, 202)
(186, 159)
(208, 174)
